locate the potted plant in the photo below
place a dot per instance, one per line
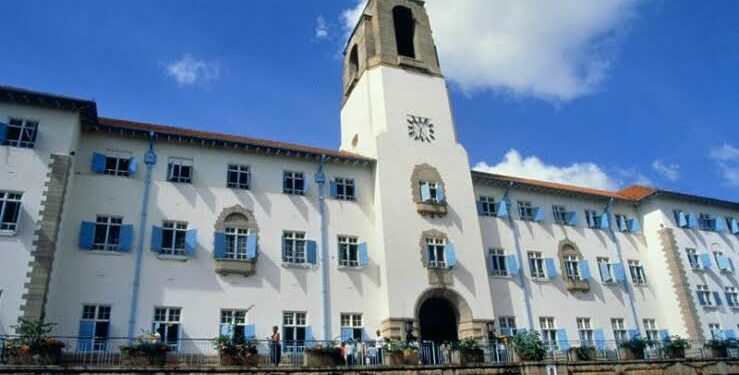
(33, 346)
(528, 346)
(583, 353)
(720, 348)
(674, 347)
(323, 356)
(470, 351)
(396, 353)
(632, 349)
(145, 350)
(236, 351)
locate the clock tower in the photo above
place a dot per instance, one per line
(395, 108)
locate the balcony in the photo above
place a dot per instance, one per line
(577, 285)
(431, 209)
(225, 266)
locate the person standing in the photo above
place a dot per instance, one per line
(275, 346)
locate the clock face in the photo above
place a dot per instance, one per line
(420, 129)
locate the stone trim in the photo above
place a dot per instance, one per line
(436, 276)
(424, 172)
(247, 220)
(679, 278)
(568, 248)
(47, 231)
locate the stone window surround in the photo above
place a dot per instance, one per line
(569, 248)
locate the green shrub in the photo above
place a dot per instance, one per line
(528, 346)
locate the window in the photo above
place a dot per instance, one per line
(536, 265)
(592, 218)
(487, 206)
(525, 211)
(548, 333)
(619, 330)
(560, 215)
(405, 29)
(107, 233)
(435, 252)
(431, 192)
(98, 318)
(233, 321)
(167, 325)
(606, 271)
(723, 262)
(180, 170)
(293, 247)
(507, 325)
(345, 189)
(351, 323)
(705, 222)
(637, 272)
(236, 240)
(294, 327)
(10, 210)
(572, 267)
(732, 298)
(716, 332)
(173, 238)
(117, 163)
(693, 259)
(239, 177)
(348, 251)
(585, 330)
(650, 328)
(21, 133)
(293, 183)
(621, 222)
(497, 262)
(353, 61)
(704, 295)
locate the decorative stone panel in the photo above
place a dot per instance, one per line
(679, 278)
(241, 218)
(436, 276)
(425, 172)
(569, 248)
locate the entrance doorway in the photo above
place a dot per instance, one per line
(438, 320)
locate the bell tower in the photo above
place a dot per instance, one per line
(395, 108)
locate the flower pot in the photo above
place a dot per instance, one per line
(675, 353)
(469, 357)
(582, 354)
(719, 352)
(627, 354)
(158, 359)
(393, 359)
(230, 359)
(44, 356)
(525, 357)
(316, 358)
(411, 357)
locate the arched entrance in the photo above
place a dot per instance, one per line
(438, 320)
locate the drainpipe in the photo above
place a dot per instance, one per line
(321, 182)
(150, 158)
(627, 288)
(519, 255)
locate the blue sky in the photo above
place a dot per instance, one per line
(604, 94)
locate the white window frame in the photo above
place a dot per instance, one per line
(592, 218)
(295, 247)
(636, 269)
(611, 279)
(650, 330)
(585, 331)
(236, 242)
(713, 327)
(507, 322)
(167, 319)
(559, 213)
(497, 257)
(7, 198)
(111, 228)
(433, 191)
(619, 330)
(435, 252)
(98, 314)
(548, 332)
(236, 318)
(536, 265)
(693, 259)
(354, 321)
(707, 295)
(294, 322)
(24, 126)
(120, 163)
(572, 267)
(617, 218)
(488, 206)
(241, 177)
(525, 210)
(345, 189)
(348, 251)
(293, 182)
(179, 231)
(178, 166)
(731, 295)
(704, 221)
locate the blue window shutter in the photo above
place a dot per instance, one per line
(362, 255)
(126, 238)
(227, 330)
(701, 300)
(584, 269)
(729, 300)
(604, 223)
(663, 334)
(284, 250)
(440, 193)
(308, 334)
(717, 334)
(250, 331)
(633, 333)
(730, 334)
(449, 256)
(600, 339)
(170, 171)
(562, 341)
(734, 226)
(305, 186)
(723, 263)
(506, 332)
(717, 297)
(346, 334)
(489, 263)
(132, 164)
(618, 272)
(718, 224)
(705, 260)
(87, 232)
(85, 335)
(480, 209)
(691, 220)
(550, 267)
(251, 246)
(3, 131)
(219, 245)
(98, 162)
(680, 219)
(605, 272)
(633, 225)
(425, 192)
(310, 252)
(501, 209)
(572, 218)
(156, 239)
(511, 264)
(621, 223)
(191, 241)
(332, 188)
(538, 214)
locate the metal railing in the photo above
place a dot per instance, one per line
(202, 352)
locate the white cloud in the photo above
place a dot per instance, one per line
(556, 50)
(321, 28)
(583, 174)
(670, 172)
(189, 71)
(727, 160)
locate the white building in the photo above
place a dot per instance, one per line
(110, 227)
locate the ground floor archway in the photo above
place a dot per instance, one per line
(438, 320)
